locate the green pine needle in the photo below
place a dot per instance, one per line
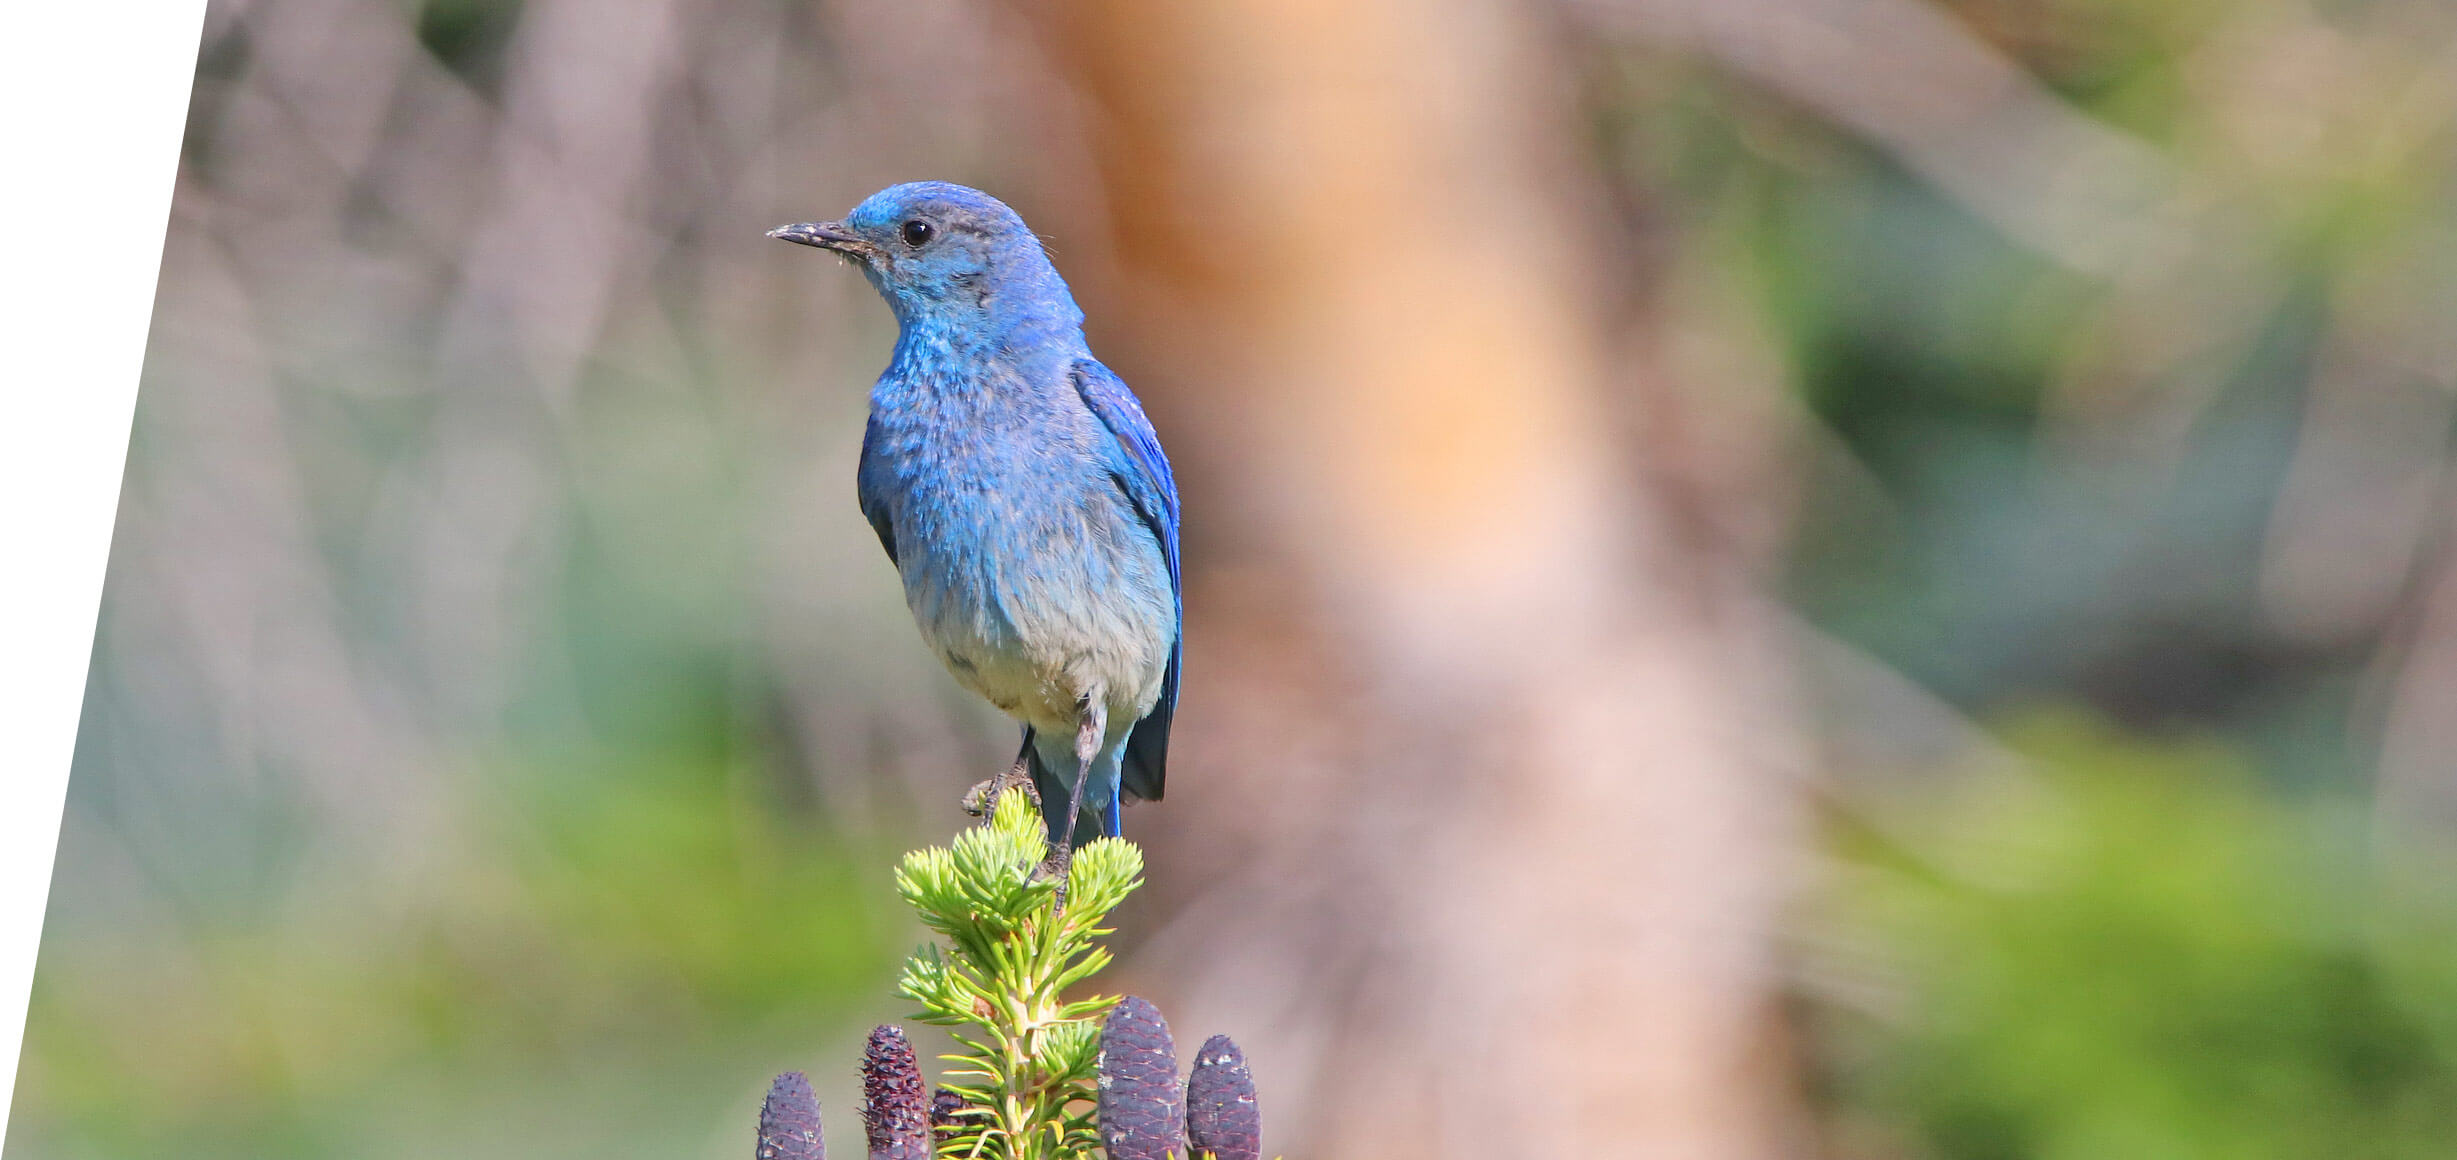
(1026, 1065)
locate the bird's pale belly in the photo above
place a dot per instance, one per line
(1072, 607)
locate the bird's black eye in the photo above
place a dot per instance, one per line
(917, 233)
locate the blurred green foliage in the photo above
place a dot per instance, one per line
(619, 946)
(2140, 953)
(2027, 482)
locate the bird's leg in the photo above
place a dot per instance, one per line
(1094, 728)
(1088, 737)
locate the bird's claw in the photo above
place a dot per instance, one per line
(982, 799)
(1056, 868)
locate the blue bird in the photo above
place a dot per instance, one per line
(1021, 494)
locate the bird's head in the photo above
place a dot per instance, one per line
(945, 253)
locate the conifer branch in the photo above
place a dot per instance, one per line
(1039, 1076)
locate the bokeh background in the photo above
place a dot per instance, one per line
(1838, 578)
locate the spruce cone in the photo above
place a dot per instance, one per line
(1140, 1116)
(895, 1112)
(946, 1113)
(789, 1121)
(1222, 1118)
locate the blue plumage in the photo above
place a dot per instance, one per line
(1021, 493)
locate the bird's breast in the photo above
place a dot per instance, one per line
(1027, 569)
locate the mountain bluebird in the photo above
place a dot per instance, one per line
(1021, 494)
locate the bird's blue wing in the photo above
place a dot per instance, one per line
(871, 492)
(1153, 490)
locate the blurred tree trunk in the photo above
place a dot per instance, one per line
(1476, 830)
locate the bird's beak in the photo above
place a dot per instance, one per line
(825, 235)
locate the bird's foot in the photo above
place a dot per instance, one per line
(981, 801)
(1055, 868)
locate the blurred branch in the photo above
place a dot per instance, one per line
(1914, 81)
(2416, 794)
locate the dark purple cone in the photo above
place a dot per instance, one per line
(1221, 1115)
(789, 1121)
(945, 1109)
(1140, 1116)
(895, 1112)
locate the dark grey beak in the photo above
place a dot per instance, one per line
(825, 235)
